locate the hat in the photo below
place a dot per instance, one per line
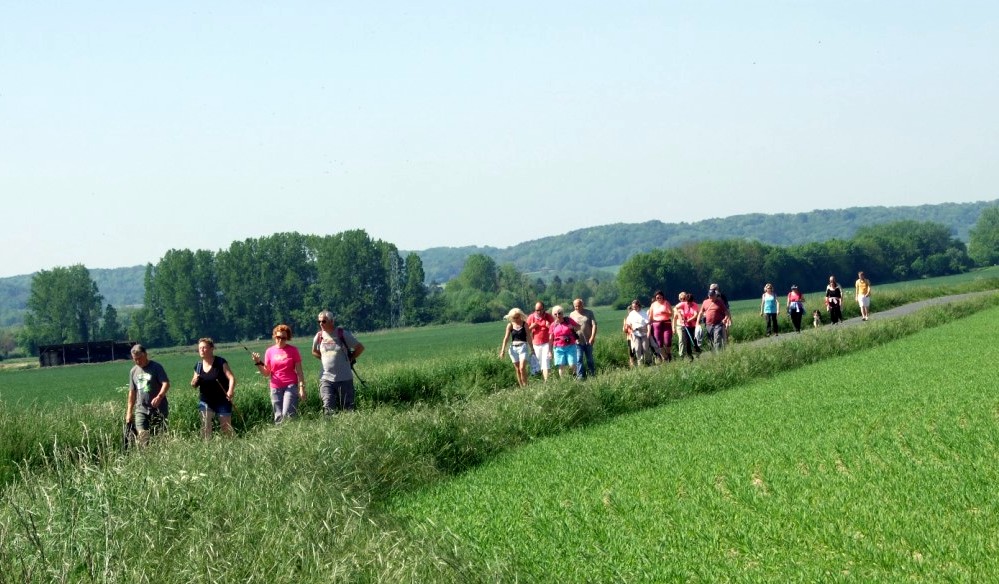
(713, 287)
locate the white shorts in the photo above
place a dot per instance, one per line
(518, 352)
(864, 301)
(544, 354)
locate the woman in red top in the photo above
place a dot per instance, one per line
(661, 318)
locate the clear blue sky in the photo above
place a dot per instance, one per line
(130, 128)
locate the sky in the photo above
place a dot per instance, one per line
(131, 128)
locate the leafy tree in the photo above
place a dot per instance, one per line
(148, 323)
(353, 281)
(110, 329)
(983, 242)
(414, 292)
(64, 307)
(173, 284)
(480, 273)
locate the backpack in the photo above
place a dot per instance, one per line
(346, 347)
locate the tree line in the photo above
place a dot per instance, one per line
(243, 291)
(903, 250)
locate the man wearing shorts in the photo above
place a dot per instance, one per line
(862, 289)
(539, 323)
(147, 389)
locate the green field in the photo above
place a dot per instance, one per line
(349, 498)
(879, 466)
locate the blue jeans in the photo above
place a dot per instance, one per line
(285, 402)
(585, 351)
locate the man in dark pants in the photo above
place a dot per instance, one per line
(587, 335)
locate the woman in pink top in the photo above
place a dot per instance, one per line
(563, 337)
(661, 318)
(283, 364)
(685, 317)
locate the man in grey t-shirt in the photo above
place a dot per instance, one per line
(587, 335)
(337, 349)
(147, 395)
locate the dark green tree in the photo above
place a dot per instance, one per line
(983, 241)
(148, 324)
(64, 307)
(353, 281)
(110, 328)
(414, 293)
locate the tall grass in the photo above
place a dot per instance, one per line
(306, 500)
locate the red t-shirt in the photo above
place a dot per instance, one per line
(540, 332)
(714, 311)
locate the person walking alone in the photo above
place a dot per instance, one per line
(862, 290)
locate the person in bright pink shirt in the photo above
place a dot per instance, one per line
(563, 337)
(283, 364)
(539, 323)
(661, 319)
(685, 318)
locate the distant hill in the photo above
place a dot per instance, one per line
(119, 287)
(608, 246)
(586, 250)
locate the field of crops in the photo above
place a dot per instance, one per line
(348, 497)
(879, 466)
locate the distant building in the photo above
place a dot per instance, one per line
(93, 352)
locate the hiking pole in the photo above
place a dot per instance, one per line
(693, 343)
(356, 376)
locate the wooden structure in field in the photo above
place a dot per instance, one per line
(92, 352)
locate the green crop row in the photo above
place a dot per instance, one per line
(877, 467)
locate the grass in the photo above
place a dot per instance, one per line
(879, 466)
(308, 501)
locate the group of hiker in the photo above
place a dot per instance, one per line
(537, 343)
(540, 341)
(337, 349)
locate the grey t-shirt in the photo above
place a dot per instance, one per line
(147, 382)
(586, 320)
(336, 365)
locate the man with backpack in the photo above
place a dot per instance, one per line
(338, 349)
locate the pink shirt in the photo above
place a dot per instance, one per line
(688, 312)
(660, 311)
(564, 330)
(281, 363)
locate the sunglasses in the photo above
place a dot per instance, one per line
(280, 337)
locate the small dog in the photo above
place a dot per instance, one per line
(816, 319)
